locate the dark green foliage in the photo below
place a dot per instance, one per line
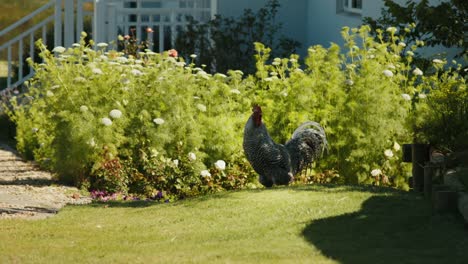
(443, 122)
(227, 43)
(443, 24)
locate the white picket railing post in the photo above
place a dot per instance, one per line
(79, 19)
(111, 26)
(99, 23)
(69, 21)
(214, 8)
(58, 23)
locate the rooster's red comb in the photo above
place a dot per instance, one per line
(257, 108)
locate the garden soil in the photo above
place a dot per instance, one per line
(28, 193)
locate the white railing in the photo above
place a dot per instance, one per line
(109, 18)
(19, 41)
(58, 14)
(165, 18)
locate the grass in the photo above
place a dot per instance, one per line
(315, 224)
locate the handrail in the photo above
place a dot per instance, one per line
(26, 18)
(29, 31)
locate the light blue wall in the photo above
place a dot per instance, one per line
(313, 22)
(324, 23)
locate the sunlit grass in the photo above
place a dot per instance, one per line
(285, 225)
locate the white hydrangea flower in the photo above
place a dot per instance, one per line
(122, 59)
(407, 97)
(410, 53)
(276, 63)
(205, 173)
(83, 108)
(34, 129)
(402, 44)
(239, 72)
(97, 71)
(396, 146)
(268, 79)
(391, 30)
(115, 113)
(106, 121)
(349, 82)
(391, 66)
(293, 60)
(437, 61)
(49, 93)
(388, 153)
(76, 45)
(80, 79)
(235, 91)
(102, 45)
(422, 96)
(180, 64)
(136, 72)
(201, 107)
(388, 73)
(376, 172)
(193, 56)
(418, 72)
(192, 156)
(221, 75)
(59, 49)
(176, 162)
(220, 165)
(91, 142)
(158, 121)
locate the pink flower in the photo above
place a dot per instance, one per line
(127, 37)
(149, 30)
(173, 53)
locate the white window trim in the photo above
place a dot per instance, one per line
(350, 9)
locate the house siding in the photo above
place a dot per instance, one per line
(319, 22)
(293, 17)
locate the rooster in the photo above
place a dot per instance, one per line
(276, 163)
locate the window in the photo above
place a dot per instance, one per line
(352, 6)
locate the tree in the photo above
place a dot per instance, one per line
(227, 43)
(444, 24)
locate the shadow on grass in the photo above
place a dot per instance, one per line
(391, 229)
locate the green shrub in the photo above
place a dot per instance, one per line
(154, 124)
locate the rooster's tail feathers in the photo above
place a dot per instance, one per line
(316, 128)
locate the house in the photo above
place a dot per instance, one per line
(310, 22)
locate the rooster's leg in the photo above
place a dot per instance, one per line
(267, 182)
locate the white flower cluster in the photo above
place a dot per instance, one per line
(205, 173)
(192, 156)
(220, 165)
(376, 172)
(158, 121)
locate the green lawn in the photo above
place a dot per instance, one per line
(316, 224)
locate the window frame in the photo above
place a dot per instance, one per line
(349, 7)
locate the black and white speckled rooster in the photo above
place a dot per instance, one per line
(276, 163)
